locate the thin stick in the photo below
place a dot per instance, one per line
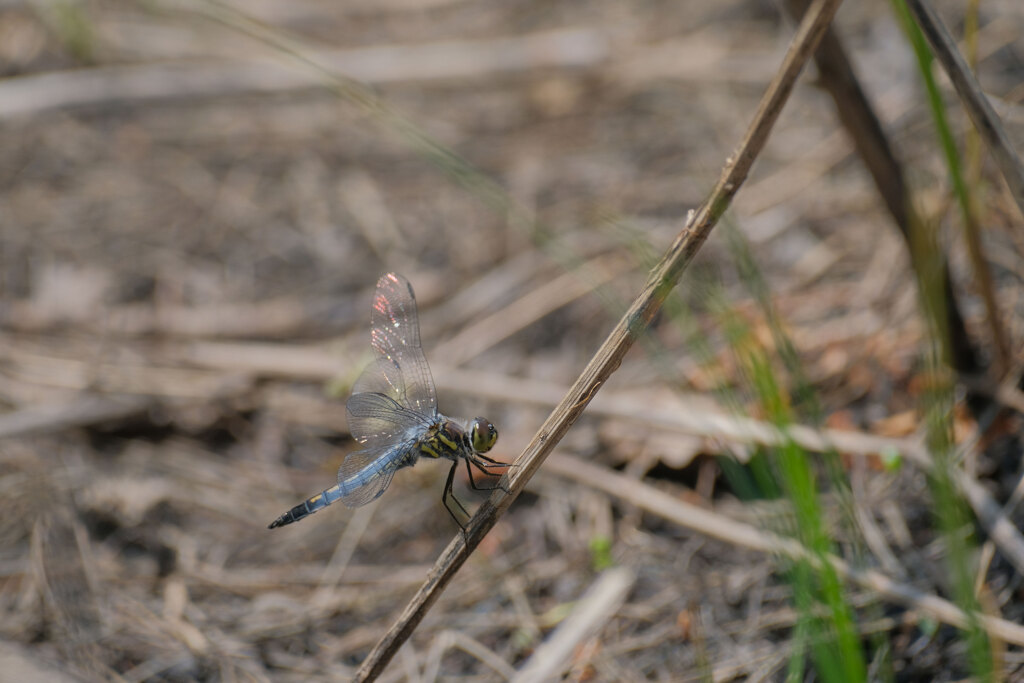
(985, 119)
(607, 358)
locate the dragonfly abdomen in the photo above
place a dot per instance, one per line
(308, 506)
(365, 476)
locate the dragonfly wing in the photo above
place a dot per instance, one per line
(382, 376)
(378, 420)
(401, 370)
(366, 474)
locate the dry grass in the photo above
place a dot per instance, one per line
(191, 224)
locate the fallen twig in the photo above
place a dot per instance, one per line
(718, 526)
(104, 86)
(596, 606)
(242, 360)
(284, 317)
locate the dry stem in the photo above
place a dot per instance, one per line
(974, 100)
(607, 359)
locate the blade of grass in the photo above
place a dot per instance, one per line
(976, 192)
(949, 510)
(806, 405)
(968, 211)
(836, 650)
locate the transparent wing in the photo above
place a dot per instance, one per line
(401, 369)
(382, 376)
(378, 420)
(366, 474)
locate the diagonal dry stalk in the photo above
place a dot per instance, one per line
(608, 357)
(985, 119)
(990, 129)
(855, 112)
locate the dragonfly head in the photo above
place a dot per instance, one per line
(482, 434)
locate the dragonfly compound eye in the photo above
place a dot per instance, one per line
(483, 435)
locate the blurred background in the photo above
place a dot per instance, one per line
(197, 199)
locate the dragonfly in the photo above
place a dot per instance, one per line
(393, 414)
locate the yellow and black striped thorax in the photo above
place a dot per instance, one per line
(444, 440)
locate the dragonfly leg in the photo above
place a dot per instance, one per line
(483, 468)
(481, 487)
(492, 462)
(449, 496)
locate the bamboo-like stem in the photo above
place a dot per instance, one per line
(608, 357)
(837, 77)
(989, 128)
(972, 227)
(974, 100)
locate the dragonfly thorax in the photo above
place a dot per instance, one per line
(451, 440)
(445, 439)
